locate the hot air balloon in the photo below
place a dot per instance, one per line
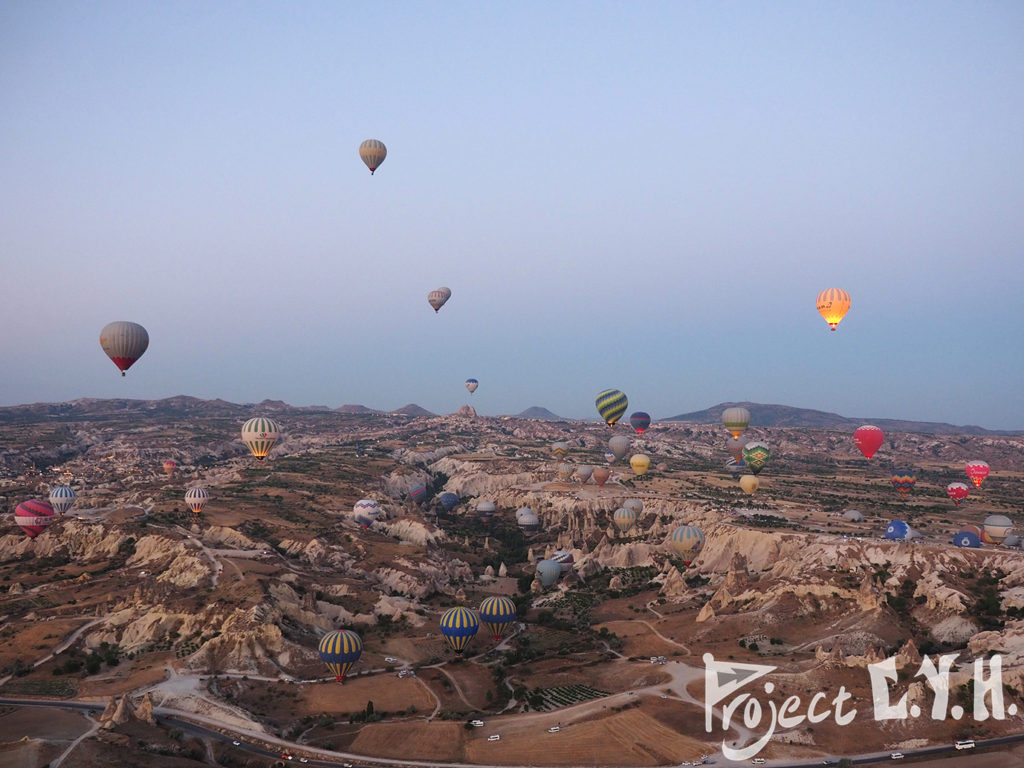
(634, 504)
(756, 455)
(548, 572)
(640, 421)
(61, 498)
(418, 494)
(259, 435)
(169, 466)
(601, 475)
(564, 559)
(527, 520)
(611, 404)
(975, 529)
(619, 446)
(564, 471)
(366, 512)
(624, 518)
(196, 498)
(897, 530)
(124, 343)
(485, 509)
(735, 468)
(471, 385)
(996, 529)
(33, 516)
(967, 539)
(339, 650)
(735, 447)
(736, 420)
(449, 501)
(868, 439)
(749, 484)
(459, 625)
(640, 464)
(372, 152)
(609, 457)
(977, 471)
(497, 615)
(687, 541)
(439, 297)
(957, 492)
(903, 480)
(584, 473)
(833, 304)
(559, 449)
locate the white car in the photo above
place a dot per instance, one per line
(477, 723)
(965, 744)
(554, 729)
(494, 737)
(390, 659)
(237, 743)
(896, 756)
(303, 759)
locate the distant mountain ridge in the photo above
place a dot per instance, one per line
(768, 415)
(537, 412)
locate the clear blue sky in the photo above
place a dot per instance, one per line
(646, 196)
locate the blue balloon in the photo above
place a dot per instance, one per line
(449, 501)
(897, 531)
(967, 539)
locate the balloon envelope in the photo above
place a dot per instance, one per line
(548, 572)
(611, 404)
(458, 626)
(497, 614)
(640, 421)
(687, 541)
(897, 530)
(833, 304)
(259, 435)
(584, 472)
(736, 420)
(619, 446)
(640, 463)
(471, 385)
(449, 501)
(196, 498)
(366, 512)
(735, 468)
(957, 492)
(756, 455)
(439, 297)
(169, 466)
(868, 439)
(559, 449)
(601, 475)
(33, 516)
(735, 447)
(624, 518)
(61, 498)
(749, 484)
(124, 342)
(967, 539)
(903, 480)
(977, 471)
(339, 650)
(372, 152)
(418, 494)
(996, 529)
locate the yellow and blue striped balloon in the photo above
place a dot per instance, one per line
(496, 614)
(624, 518)
(687, 541)
(372, 152)
(611, 404)
(339, 650)
(459, 625)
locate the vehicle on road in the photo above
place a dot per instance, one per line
(554, 729)
(965, 744)
(896, 756)
(494, 737)
(390, 659)
(303, 759)
(476, 723)
(237, 743)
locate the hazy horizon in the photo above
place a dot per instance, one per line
(641, 197)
